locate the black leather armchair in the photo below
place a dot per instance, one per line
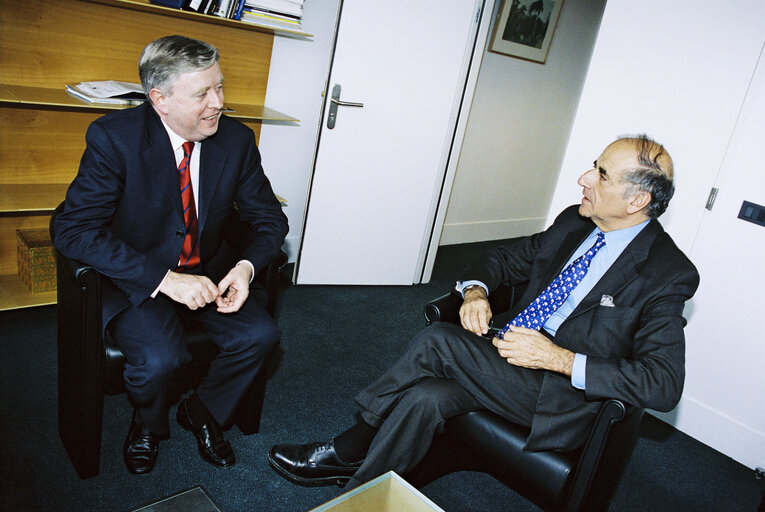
(581, 480)
(90, 365)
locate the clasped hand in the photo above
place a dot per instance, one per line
(520, 346)
(197, 291)
(531, 349)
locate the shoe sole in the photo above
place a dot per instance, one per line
(339, 481)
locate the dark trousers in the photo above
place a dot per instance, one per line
(150, 336)
(445, 372)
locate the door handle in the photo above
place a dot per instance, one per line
(346, 103)
(333, 104)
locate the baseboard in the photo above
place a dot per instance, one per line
(468, 232)
(726, 435)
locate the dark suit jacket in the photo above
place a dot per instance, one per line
(123, 211)
(635, 350)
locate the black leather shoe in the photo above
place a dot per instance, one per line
(311, 464)
(212, 444)
(140, 449)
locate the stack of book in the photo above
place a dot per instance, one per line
(231, 9)
(110, 92)
(284, 14)
(274, 13)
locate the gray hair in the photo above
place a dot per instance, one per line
(164, 60)
(653, 174)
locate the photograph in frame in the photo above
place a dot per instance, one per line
(524, 28)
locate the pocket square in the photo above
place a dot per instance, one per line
(607, 301)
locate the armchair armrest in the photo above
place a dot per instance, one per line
(604, 456)
(443, 309)
(269, 277)
(79, 308)
(446, 308)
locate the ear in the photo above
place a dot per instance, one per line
(158, 100)
(638, 202)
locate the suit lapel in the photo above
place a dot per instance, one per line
(211, 168)
(556, 260)
(160, 160)
(624, 269)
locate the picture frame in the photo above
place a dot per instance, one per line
(524, 28)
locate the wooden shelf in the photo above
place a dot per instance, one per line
(15, 295)
(59, 98)
(146, 6)
(31, 197)
(257, 112)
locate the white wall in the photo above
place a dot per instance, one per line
(296, 82)
(517, 131)
(670, 69)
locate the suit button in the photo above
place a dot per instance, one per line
(179, 233)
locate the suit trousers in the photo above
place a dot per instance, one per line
(446, 371)
(151, 337)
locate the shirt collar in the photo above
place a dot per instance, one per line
(620, 238)
(176, 141)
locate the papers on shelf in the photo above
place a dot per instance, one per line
(270, 19)
(108, 91)
(274, 13)
(288, 7)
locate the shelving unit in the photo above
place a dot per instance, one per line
(48, 44)
(145, 5)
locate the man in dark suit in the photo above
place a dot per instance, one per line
(149, 209)
(601, 318)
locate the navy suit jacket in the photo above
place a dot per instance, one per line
(635, 346)
(123, 213)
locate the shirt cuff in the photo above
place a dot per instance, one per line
(252, 268)
(578, 373)
(461, 286)
(154, 295)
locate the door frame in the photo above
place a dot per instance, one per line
(430, 245)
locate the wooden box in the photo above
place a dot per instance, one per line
(36, 259)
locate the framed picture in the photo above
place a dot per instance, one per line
(524, 28)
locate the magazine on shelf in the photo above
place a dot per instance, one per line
(250, 15)
(289, 7)
(108, 91)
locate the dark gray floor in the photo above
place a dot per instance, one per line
(335, 339)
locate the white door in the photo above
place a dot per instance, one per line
(379, 170)
(726, 331)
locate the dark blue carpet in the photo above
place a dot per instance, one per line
(335, 340)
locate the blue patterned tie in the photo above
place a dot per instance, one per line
(536, 314)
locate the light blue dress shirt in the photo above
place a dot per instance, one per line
(616, 242)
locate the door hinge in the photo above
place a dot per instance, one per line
(711, 198)
(478, 14)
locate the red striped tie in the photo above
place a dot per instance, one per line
(190, 252)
